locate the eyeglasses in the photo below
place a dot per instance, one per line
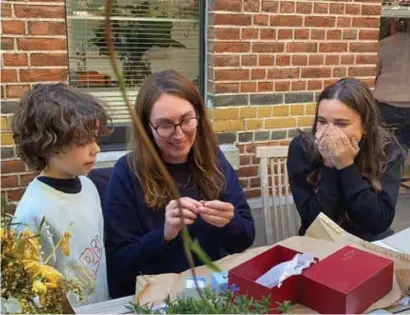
(166, 130)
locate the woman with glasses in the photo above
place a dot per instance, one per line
(142, 222)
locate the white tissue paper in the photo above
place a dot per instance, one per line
(279, 273)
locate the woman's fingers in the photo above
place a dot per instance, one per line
(214, 220)
(216, 213)
(186, 213)
(176, 221)
(187, 203)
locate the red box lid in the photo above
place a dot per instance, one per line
(347, 281)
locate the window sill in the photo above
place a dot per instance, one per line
(108, 159)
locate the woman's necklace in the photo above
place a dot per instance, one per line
(187, 182)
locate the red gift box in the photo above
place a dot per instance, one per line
(346, 282)
(245, 275)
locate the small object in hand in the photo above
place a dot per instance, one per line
(219, 281)
(190, 289)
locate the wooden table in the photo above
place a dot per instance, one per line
(118, 306)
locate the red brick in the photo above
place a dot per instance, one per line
(38, 11)
(316, 60)
(14, 195)
(343, 21)
(232, 19)
(7, 43)
(321, 8)
(9, 181)
(371, 9)
(250, 33)
(12, 166)
(261, 19)
(282, 86)
(366, 22)
(8, 75)
(286, 20)
(299, 60)
(27, 178)
(283, 60)
(231, 74)
(253, 193)
(369, 34)
(265, 86)
(367, 59)
(13, 27)
(287, 7)
(226, 87)
(361, 71)
(41, 75)
(353, 9)
(241, 148)
(347, 59)
(370, 82)
(315, 85)
(333, 47)
(266, 60)
(336, 8)
(302, 34)
(363, 47)
(270, 6)
(251, 5)
(255, 182)
(298, 85)
(255, 160)
(283, 73)
(320, 72)
(285, 33)
(317, 34)
(250, 148)
(329, 82)
(14, 59)
(332, 60)
(228, 5)
(226, 61)
(258, 74)
(54, 59)
(249, 60)
(16, 91)
(5, 9)
(268, 33)
(248, 87)
(304, 7)
(236, 47)
(323, 21)
(340, 72)
(301, 47)
(42, 43)
(267, 47)
(227, 33)
(46, 28)
(334, 34)
(350, 34)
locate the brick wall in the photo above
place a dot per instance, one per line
(34, 50)
(269, 59)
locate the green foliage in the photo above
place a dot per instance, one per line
(213, 303)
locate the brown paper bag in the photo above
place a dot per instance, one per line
(323, 238)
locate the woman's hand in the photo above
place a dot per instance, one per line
(173, 224)
(216, 212)
(322, 142)
(342, 150)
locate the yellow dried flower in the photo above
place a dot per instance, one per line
(2, 233)
(39, 287)
(65, 243)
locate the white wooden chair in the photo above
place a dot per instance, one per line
(280, 214)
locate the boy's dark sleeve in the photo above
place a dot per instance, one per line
(310, 201)
(238, 234)
(128, 248)
(372, 211)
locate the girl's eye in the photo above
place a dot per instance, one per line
(340, 124)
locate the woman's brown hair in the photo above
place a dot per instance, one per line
(203, 156)
(378, 146)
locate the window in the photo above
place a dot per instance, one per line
(149, 36)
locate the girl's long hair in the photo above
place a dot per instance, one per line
(378, 146)
(203, 156)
